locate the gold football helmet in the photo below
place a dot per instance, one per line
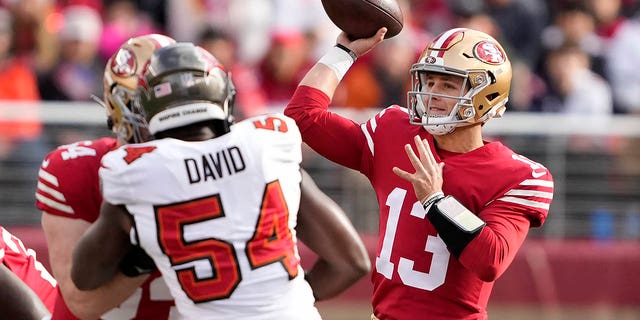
(483, 64)
(120, 85)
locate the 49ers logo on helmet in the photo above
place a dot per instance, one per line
(124, 63)
(489, 52)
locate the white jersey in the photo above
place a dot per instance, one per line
(218, 218)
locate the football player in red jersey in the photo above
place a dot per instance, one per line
(454, 213)
(215, 203)
(28, 290)
(68, 193)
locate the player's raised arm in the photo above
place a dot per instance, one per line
(326, 230)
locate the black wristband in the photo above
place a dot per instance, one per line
(454, 234)
(352, 54)
(432, 200)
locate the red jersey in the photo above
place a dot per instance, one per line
(69, 186)
(23, 263)
(415, 275)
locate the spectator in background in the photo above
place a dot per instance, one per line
(622, 56)
(622, 62)
(247, 21)
(250, 99)
(34, 27)
(380, 79)
(17, 82)
(525, 84)
(16, 76)
(573, 87)
(123, 20)
(573, 25)
(608, 17)
(78, 73)
(434, 16)
(284, 65)
(520, 23)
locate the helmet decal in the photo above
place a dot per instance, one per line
(162, 90)
(124, 63)
(429, 60)
(489, 52)
(443, 42)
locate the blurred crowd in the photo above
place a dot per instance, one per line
(573, 56)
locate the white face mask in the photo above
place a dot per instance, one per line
(439, 124)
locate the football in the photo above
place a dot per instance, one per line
(362, 18)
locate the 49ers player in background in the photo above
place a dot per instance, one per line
(68, 193)
(28, 290)
(454, 213)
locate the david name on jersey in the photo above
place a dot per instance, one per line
(220, 164)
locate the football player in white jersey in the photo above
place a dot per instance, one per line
(214, 204)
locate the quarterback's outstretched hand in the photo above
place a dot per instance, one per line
(427, 180)
(361, 46)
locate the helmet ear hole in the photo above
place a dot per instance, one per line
(492, 96)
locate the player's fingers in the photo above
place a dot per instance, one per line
(401, 173)
(380, 34)
(422, 149)
(363, 45)
(432, 158)
(415, 161)
(426, 156)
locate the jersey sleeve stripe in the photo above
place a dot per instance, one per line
(367, 136)
(374, 124)
(530, 193)
(54, 204)
(7, 237)
(537, 182)
(55, 193)
(46, 176)
(529, 203)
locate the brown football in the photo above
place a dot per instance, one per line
(362, 18)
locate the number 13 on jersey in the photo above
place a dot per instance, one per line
(410, 277)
